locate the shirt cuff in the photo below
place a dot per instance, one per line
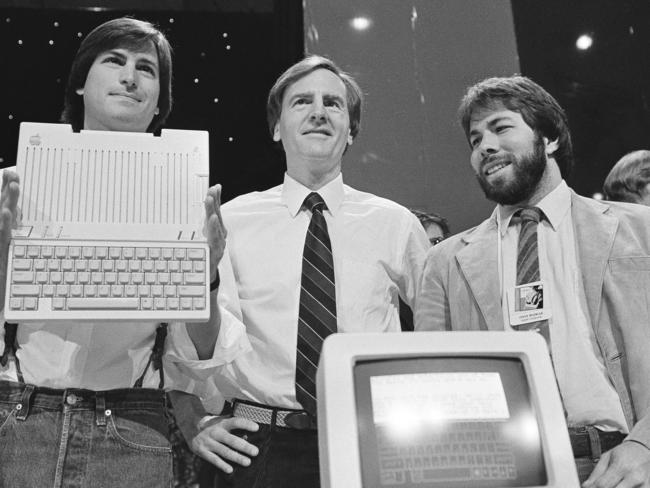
(231, 343)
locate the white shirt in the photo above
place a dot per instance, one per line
(108, 355)
(587, 394)
(378, 249)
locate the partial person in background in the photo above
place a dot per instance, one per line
(435, 225)
(629, 179)
(437, 229)
(84, 404)
(304, 259)
(590, 259)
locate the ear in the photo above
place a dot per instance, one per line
(79, 91)
(551, 146)
(276, 133)
(350, 138)
(157, 111)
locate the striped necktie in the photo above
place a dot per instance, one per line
(528, 261)
(317, 312)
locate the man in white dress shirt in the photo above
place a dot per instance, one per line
(83, 404)
(377, 251)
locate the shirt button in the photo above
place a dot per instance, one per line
(71, 399)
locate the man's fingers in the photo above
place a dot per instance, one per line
(240, 423)
(216, 460)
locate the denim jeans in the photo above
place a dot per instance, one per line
(287, 458)
(81, 438)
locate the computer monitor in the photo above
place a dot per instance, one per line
(441, 409)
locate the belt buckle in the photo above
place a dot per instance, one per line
(300, 420)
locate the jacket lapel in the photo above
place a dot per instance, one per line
(479, 264)
(594, 234)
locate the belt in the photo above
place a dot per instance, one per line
(581, 442)
(263, 414)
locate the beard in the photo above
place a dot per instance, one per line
(527, 171)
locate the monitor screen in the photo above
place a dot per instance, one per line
(447, 422)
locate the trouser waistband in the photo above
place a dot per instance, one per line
(29, 396)
(589, 441)
(281, 417)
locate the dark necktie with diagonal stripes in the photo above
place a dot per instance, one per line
(317, 312)
(528, 260)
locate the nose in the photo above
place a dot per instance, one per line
(318, 113)
(489, 144)
(128, 76)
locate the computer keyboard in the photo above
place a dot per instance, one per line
(463, 452)
(93, 280)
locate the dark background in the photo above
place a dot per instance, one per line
(412, 152)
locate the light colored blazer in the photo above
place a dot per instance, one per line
(460, 291)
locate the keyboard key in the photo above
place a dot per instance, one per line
(53, 264)
(20, 252)
(40, 264)
(33, 251)
(117, 290)
(101, 252)
(177, 278)
(154, 253)
(110, 278)
(172, 303)
(83, 277)
(131, 290)
(76, 290)
(70, 277)
(60, 252)
(58, 303)
(150, 278)
(47, 252)
(167, 252)
(103, 290)
(61, 290)
(48, 290)
(144, 290)
(67, 265)
(156, 290)
(186, 266)
(186, 303)
(194, 278)
(16, 303)
(94, 265)
(141, 253)
(22, 264)
(159, 303)
(163, 278)
(146, 303)
(191, 291)
(179, 253)
(121, 265)
(196, 254)
(97, 277)
(115, 252)
(198, 303)
(25, 290)
(174, 266)
(107, 265)
(147, 265)
(137, 278)
(170, 291)
(56, 277)
(90, 290)
(134, 265)
(103, 303)
(74, 252)
(42, 277)
(161, 266)
(123, 278)
(127, 252)
(81, 265)
(88, 252)
(23, 277)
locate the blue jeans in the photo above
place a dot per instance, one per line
(287, 458)
(80, 438)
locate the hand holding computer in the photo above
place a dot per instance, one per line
(8, 217)
(627, 465)
(215, 230)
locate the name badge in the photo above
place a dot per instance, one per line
(527, 303)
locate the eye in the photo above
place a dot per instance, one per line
(147, 68)
(300, 101)
(474, 141)
(113, 60)
(501, 128)
(333, 103)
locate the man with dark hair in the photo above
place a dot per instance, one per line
(589, 259)
(629, 179)
(435, 225)
(309, 257)
(84, 404)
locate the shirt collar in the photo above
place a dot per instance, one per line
(294, 194)
(555, 205)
